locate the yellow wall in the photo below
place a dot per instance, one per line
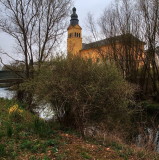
(110, 51)
(74, 40)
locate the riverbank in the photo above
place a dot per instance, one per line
(25, 136)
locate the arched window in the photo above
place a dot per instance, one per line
(70, 35)
(79, 35)
(75, 34)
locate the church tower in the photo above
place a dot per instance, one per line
(74, 40)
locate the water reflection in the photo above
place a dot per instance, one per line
(150, 138)
(45, 111)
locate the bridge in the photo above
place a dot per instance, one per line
(11, 77)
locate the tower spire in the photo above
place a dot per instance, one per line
(74, 18)
(74, 40)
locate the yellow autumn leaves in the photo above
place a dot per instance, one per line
(15, 109)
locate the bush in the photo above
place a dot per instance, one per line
(42, 128)
(26, 144)
(2, 150)
(2, 134)
(9, 129)
(83, 92)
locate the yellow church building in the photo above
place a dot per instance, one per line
(125, 48)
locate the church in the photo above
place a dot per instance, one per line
(124, 48)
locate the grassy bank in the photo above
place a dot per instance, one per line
(24, 136)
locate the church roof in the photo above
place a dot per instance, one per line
(125, 38)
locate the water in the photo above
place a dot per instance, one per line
(144, 139)
(5, 93)
(45, 111)
(150, 138)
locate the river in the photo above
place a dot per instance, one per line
(5, 93)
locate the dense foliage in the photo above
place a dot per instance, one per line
(82, 93)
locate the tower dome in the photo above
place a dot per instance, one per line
(74, 18)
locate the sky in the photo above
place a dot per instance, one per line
(83, 7)
(95, 7)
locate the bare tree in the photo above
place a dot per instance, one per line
(125, 50)
(51, 25)
(139, 18)
(35, 25)
(149, 10)
(91, 26)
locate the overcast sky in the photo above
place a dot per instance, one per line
(83, 7)
(95, 7)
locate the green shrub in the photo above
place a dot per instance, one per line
(2, 134)
(13, 154)
(61, 156)
(2, 150)
(38, 147)
(33, 158)
(9, 129)
(116, 146)
(85, 155)
(42, 128)
(82, 92)
(46, 158)
(52, 142)
(26, 144)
